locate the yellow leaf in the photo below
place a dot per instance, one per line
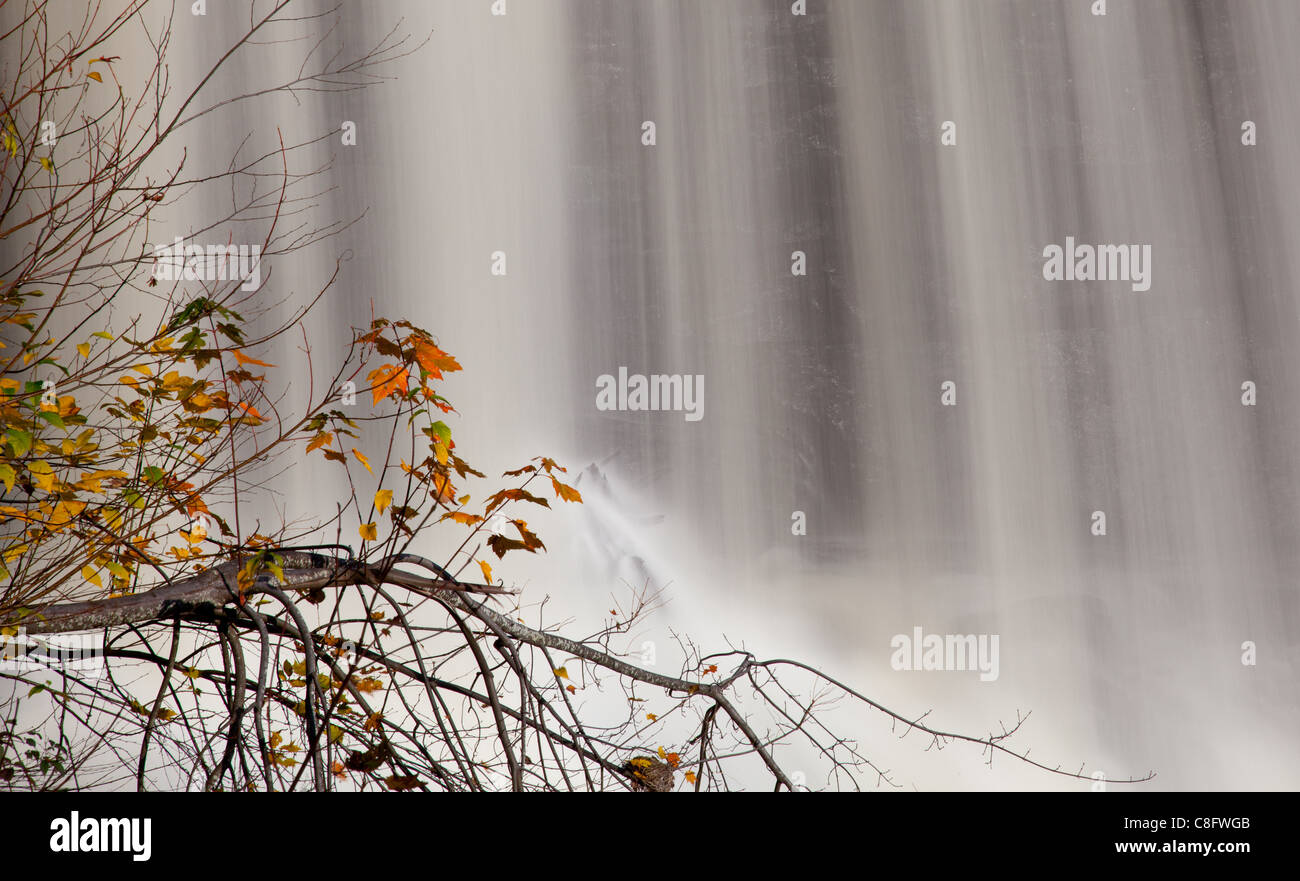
(65, 512)
(320, 440)
(383, 499)
(94, 75)
(487, 571)
(173, 381)
(83, 349)
(690, 777)
(562, 673)
(92, 576)
(362, 459)
(652, 717)
(45, 482)
(368, 531)
(47, 164)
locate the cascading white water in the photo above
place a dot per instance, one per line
(778, 133)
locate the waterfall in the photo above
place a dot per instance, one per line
(522, 136)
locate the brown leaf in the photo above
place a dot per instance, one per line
(403, 782)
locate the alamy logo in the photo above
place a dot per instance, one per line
(178, 261)
(948, 652)
(108, 835)
(1078, 262)
(658, 391)
(23, 653)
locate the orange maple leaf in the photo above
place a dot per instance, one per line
(387, 380)
(434, 359)
(245, 359)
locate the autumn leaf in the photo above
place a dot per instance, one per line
(513, 495)
(690, 777)
(530, 539)
(362, 459)
(368, 531)
(402, 783)
(652, 717)
(500, 544)
(245, 359)
(320, 440)
(383, 499)
(561, 673)
(47, 164)
(94, 75)
(442, 486)
(434, 359)
(487, 571)
(566, 492)
(388, 380)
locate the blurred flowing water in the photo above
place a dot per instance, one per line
(775, 133)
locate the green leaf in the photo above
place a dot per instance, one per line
(21, 441)
(51, 417)
(443, 432)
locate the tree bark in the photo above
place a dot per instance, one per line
(205, 592)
